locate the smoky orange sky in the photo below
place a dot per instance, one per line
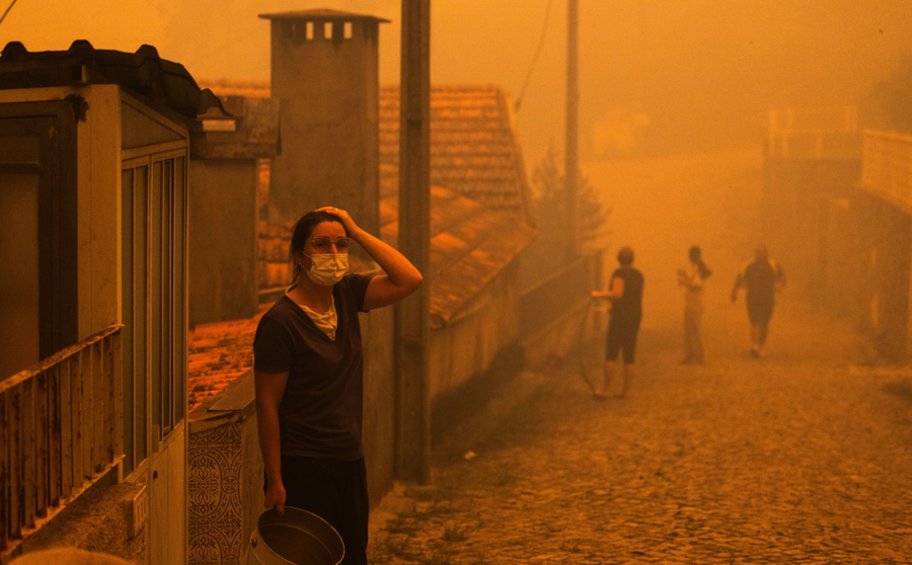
(689, 73)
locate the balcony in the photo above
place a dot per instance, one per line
(814, 134)
(886, 168)
(61, 430)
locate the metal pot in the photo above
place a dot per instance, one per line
(295, 536)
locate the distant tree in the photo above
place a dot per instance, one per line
(889, 104)
(550, 204)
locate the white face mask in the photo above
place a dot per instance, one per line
(327, 269)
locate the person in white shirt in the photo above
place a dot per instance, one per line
(691, 279)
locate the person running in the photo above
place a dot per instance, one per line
(761, 279)
(626, 295)
(692, 281)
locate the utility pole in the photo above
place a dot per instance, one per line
(571, 158)
(412, 314)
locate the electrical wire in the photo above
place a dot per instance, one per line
(3, 17)
(538, 48)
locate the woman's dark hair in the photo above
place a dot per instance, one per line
(625, 255)
(302, 230)
(696, 257)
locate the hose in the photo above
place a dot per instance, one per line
(583, 373)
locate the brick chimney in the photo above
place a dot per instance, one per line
(324, 72)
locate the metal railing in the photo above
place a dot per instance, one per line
(829, 118)
(61, 429)
(886, 167)
(818, 133)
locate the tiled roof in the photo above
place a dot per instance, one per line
(149, 77)
(474, 148)
(219, 353)
(470, 244)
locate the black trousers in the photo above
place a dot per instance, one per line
(337, 492)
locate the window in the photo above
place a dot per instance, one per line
(154, 299)
(37, 232)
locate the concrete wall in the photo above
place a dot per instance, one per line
(466, 346)
(885, 272)
(328, 91)
(794, 212)
(223, 242)
(99, 520)
(846, 250)
(847, 288)
(98, 200)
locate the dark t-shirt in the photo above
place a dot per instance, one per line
(760, 279)
(628, 308)
(320, 412)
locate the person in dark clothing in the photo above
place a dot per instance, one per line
(308, 373)
(626, 296)
(762, 278)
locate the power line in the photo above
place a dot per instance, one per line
(3, 17)
(538, 48)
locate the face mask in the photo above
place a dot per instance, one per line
(327, 268)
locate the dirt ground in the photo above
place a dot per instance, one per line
(801, 456)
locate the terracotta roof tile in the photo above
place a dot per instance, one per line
(474, 148)
(219, 353)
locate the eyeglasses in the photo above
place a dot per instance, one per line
(324, 244)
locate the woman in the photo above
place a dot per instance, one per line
(692, 281)
(626, 295)
(308, 373)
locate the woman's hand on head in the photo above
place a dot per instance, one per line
(350, 226)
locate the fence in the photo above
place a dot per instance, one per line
(61, 429)
(886, 168)
(822, 133)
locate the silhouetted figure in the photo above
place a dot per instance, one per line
(692, 280)
(308, 372)
(626, 295)
(761, 278)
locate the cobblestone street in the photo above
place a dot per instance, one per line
(801, 456)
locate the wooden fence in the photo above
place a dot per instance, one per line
(61, 429)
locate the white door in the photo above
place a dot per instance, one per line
(168, 500)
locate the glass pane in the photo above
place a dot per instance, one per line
(156, 291)
(167, 327)
(21, 147)
(180, 286)
(127, 334)
(141, 309)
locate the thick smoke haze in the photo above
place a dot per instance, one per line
(654, 76)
